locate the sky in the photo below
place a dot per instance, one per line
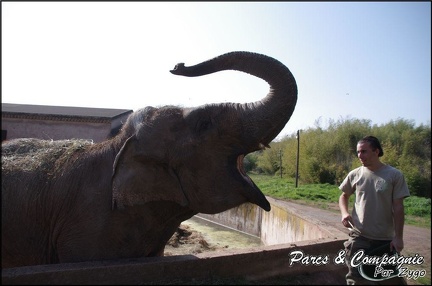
(351, 60)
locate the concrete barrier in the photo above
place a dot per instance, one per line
(248, 265)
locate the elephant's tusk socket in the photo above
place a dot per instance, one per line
(262, 146)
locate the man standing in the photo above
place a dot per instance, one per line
(378, 215)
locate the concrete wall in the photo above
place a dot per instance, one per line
(246, 218)
(283, 224)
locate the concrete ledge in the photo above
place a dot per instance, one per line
(249, 264)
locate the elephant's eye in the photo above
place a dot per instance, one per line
(203, 125)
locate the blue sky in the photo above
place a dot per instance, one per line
(365, 60)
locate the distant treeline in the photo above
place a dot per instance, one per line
(327, 155)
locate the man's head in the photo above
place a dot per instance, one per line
(369, 150)
(373, 143)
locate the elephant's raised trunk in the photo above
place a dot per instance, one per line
(262, 120)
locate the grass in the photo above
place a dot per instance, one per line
(326, 196)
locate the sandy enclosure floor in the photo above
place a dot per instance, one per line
(198, 235)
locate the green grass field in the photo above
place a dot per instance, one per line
(325, 196)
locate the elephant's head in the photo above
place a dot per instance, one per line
(194, 156)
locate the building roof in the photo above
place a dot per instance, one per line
(62, 113)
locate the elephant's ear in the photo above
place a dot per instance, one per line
(137, 180)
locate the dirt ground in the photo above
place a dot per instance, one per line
(417, 241)
(188, 241)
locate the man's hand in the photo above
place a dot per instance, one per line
(347, 220)
(397, 244)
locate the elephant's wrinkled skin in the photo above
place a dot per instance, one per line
(71, 201)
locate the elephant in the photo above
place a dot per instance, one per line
(71, 200)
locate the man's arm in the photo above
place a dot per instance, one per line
(399, 221)
(343, 206)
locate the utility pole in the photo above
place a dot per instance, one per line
(298, 155)
(280, 162)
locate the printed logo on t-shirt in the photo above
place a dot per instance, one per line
(381, 185)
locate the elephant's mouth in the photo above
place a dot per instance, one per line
(241, 169)
(253, 193)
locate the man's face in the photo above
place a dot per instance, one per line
(366, 155)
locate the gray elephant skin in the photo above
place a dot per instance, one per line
(74, 201)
